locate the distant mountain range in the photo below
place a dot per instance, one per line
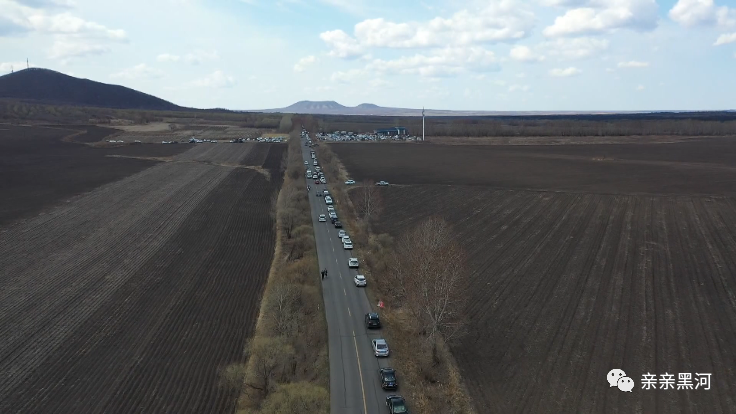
(334, 108)
(50, 87)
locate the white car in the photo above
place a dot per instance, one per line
(326, 192)
(346, 238)
(322, 180)
(322, 218)
(330, 208)
(359, 280)
(306, 162)
(380, 347)
(353, 263)
(328, 200)
(315, 162)
(332, 214)
(347, 245)
(340, 233)
(382, 183)
(349, 182)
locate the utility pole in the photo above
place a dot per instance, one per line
(28, 66)
(422, 124)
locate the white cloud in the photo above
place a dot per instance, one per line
(525, 54)
(72, 35)
(691, 13)
(600, 16)
(341, 44)
(640, 88)
(302, 64)
(633, 64)
(563, 73)
(497, 21)
(574, 48)
(216, 79)
(439, 63)
(141, 71)
(66, 23)
(725, 38)
(194, 58)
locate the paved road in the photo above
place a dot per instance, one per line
(354, 383)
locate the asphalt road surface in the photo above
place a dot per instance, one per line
(354, 381)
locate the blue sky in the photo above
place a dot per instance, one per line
(462, 54)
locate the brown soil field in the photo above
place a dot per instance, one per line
(706, 166)
(567, 285)
(131, 297)
(40, 170)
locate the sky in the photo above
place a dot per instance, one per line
(495, 55)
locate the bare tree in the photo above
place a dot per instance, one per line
(369, 201)
(271, 357)
(430, 279)
(282, 309)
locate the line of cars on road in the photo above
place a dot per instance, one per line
(388, 377)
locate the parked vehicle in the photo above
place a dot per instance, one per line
(347, 245)
(359, 280)
(349, 182)
(382, 183)
(388, 378)
(328, 200)
(338, 224)
(380, 347)
(372, 321)
(396, 405)
(340, 233)
(353, 263)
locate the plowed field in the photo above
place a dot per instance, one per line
(130, 298)
(567, 285)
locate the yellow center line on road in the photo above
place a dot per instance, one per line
(360, 372)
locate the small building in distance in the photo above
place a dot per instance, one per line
(395, 131)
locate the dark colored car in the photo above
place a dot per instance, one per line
(333, 220)
(319, 194)
(372, 320)
(316, 181)
(338, 224)
(388, 378)
(396, 405)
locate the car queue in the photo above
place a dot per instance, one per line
(388, 377)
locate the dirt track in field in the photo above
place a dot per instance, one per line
(567, 285)
(131, 297)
